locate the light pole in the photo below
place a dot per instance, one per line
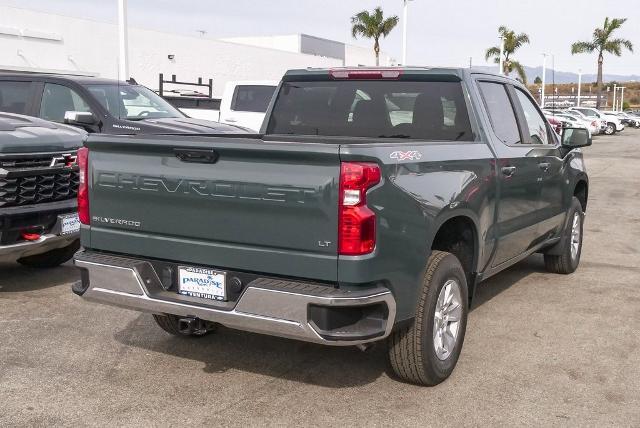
(404, 31)
(501, 72)
(615, 90)
(123, 41)
(544, 78)
(579, 86)
(621, 97)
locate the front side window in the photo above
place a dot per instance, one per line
(14, 96)
(255, 98)
(536, 123)
(59, 99)
(373, 108)
(501, 114)
(132, 102)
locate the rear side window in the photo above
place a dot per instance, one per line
(501, 114)
(373, 108)
(536, 123)
(14, 96)
(58, 99)
(254, 98)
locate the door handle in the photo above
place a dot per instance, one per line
(196, 155)
(508, 171)
(230, 120)
(544, 166)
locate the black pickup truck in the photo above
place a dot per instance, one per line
(39, 179)
(370, 207)
(99, 105)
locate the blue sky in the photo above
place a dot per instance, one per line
(440, 32)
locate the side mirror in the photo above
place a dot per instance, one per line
(575, 137)
(79, 118)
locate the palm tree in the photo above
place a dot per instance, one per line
(512, 42)
(373, 26)
(603, 42)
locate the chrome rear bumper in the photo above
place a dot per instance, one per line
(42, 245)
(269, 306)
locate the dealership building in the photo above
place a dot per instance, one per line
(36, 41)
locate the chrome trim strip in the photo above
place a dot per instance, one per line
(260, 310)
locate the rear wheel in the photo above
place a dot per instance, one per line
(567, 259)
(426, 351)
(176, 326)
(51, 258)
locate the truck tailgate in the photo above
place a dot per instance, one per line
(225, 202)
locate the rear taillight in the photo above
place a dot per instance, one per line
(83, 188)
(356, 223)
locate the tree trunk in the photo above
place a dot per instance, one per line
(376, 49)
(599, 83)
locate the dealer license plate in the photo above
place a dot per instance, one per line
(202, 282)
(70, 224)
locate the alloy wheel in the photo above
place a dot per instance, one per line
(575, 236)
(446, 325)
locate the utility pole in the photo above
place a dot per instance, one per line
(405, 13)
(579, 86)
(123, 41)
(544, 78)
(615, 89)
(621, 97)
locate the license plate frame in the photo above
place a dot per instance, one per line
(201, 282)
(69, 224)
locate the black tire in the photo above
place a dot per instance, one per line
(412, 352)
(563, 260)
(52, 258)
(610, 129)
(170, 324)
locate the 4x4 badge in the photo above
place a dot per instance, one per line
(409, 155)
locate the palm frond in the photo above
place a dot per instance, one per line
(388, 25)
(515, 65)
(583, 47)
(491, 52)
(358, 30)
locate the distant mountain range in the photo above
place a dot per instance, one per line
(567, 77)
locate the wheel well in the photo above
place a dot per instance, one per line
(582, 193)
(458, 236)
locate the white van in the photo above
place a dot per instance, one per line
(244, 103)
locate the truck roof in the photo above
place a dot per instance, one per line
(458, 73)
(82, 80)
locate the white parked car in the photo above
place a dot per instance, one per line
(592, 124)
(614, 119)
(609, 123)
(244, 103)
(569, 121)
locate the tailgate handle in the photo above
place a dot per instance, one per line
(196, 155)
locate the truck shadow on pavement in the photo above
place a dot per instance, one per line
(15, 278)
(333, 367)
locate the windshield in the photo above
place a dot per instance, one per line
(132, 102)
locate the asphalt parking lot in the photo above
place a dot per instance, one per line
(540, 348)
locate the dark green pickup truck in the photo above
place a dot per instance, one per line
(369, 208)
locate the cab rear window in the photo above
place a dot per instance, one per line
(374, 109)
